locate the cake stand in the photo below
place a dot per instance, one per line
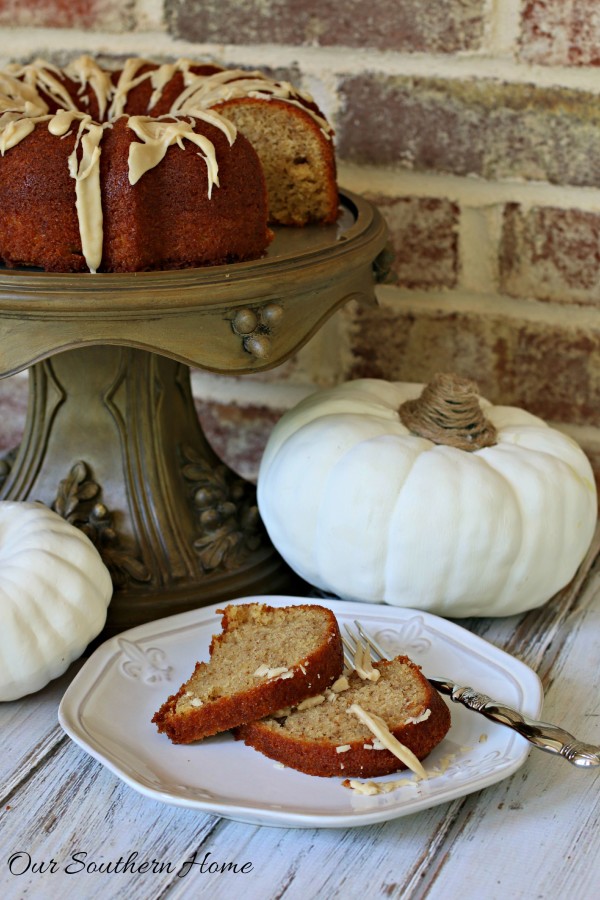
(112, 439)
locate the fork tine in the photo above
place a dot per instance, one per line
(358, 653)
(370, 641)
(348, 653)
(350, 634)
(351, 646)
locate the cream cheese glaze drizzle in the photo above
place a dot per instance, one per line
(232, 84)
(84, 167)
(157, 135)
(201, 92)
(86, 71)
(23, 108)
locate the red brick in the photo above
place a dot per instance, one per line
(470, 127)
(424, 237)
(401, 25)
(551, 254)
(561, 32)
(105, 15)
(551, 370)
(238, 434)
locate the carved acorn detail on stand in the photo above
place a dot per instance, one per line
(255, 327)
(226, 514)
(77, 501)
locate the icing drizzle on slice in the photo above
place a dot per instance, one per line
(378, 727)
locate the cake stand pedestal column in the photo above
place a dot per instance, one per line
(113, 443)
(112, 440)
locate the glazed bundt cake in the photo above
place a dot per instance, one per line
(154, 166)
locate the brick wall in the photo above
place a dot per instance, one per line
(473, 124)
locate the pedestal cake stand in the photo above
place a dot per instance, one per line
(112, 439)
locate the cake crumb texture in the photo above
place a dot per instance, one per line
(308, 739)
(302, 642)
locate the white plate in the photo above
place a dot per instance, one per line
(108, 708)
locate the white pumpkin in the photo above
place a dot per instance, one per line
(361, 507)
(54, 594)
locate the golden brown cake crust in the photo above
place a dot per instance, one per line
(38, 219)
(320, 756)
(310, 675)
(166, 220)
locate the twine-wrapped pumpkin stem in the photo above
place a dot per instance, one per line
(448, 412)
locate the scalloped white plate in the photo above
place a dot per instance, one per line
(108, 708)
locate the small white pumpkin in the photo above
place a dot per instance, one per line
(361, 506)
(54, 594)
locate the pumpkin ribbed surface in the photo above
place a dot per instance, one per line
(54, 594)
(363, 508)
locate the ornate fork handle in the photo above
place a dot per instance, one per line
(547, 737)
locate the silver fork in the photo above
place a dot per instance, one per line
(542, 735)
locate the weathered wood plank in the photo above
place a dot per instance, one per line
(29, 731)
(537, 834)
(74, 807)
(75, 812)
(535, 637)
(352, 863)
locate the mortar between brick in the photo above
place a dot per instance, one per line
(502, 27)
(479, 237)
(338, 61)
(469, 191)
(247, 391)
(574, 318)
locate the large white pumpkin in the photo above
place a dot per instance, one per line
(54, 594)
(360, 506)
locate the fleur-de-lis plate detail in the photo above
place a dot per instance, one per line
(482, 766)
(409, 637)
(149, 666)
(229, 781)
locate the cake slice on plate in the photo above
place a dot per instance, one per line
(373, 722)
(265, 659)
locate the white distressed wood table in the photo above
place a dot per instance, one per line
(534, 835)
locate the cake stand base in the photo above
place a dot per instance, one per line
(113, 443)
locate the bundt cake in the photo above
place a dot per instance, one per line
(154, 166)
(346, 734)
(266, 658)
